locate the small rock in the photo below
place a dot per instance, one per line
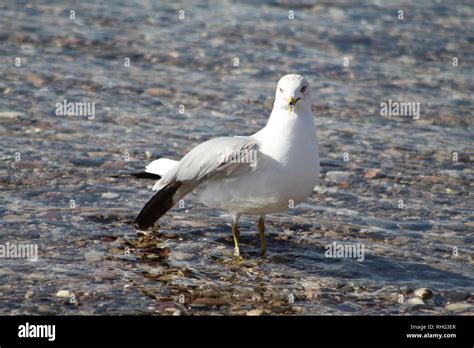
(35, 80)
(156, 91)
(455, 296)
(423, 293)
(93, 256)
(297, 309)
(208, 302)
(416, 226)
(431, 178)
(415, 301)
(180, 256)
(109, 195)
(10, 114)
(331, 234)
(372, 173)
(88, 162)
(29, 294)
(347, 288)
(469, 224)
(63, 294)
(344, 185)
(174, 54)
(458, 307)
(338, 177)
(401, 240)
(344, 308)
(456, 174)
(33, 130)
(450, 191)
(255, 312)
(104, 275)
(111, 165)
(80, 243)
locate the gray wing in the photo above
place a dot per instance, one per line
(219, 157)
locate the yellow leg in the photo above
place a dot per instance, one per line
(261, 232)
(236, 235)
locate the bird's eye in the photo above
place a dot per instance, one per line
(303, 89)
(281, 90)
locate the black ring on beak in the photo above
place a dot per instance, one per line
(294, 101)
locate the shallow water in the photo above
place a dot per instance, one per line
(58, 189)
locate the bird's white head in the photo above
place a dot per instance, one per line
(293, 94)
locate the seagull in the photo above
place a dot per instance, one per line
(266, 172)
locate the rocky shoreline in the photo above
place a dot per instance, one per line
(399, 187)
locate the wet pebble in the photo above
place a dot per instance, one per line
(401, 240)
(208, 302)
(4, 271)
(157, 91)
(338, 177)
(35, 80)
(423, 293)
(344, 308)
(88, 162)
(104, 275)
(455, 296)
(180, 256)
(109, 195)
(332, 234)
(456, 174)
(10, 114)
(373, 173)
(417, 226)
(64, 294)
(347, 288)
(415, 301)
(255, 312)
(459, 307)
(297, 309)
(93, 256)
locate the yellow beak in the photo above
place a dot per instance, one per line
(292, 102)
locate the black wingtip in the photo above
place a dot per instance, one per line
(157, 206)
(145, 175)
(141, 175)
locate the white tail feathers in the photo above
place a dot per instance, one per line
(160, 166)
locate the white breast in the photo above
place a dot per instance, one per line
(286, 173)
